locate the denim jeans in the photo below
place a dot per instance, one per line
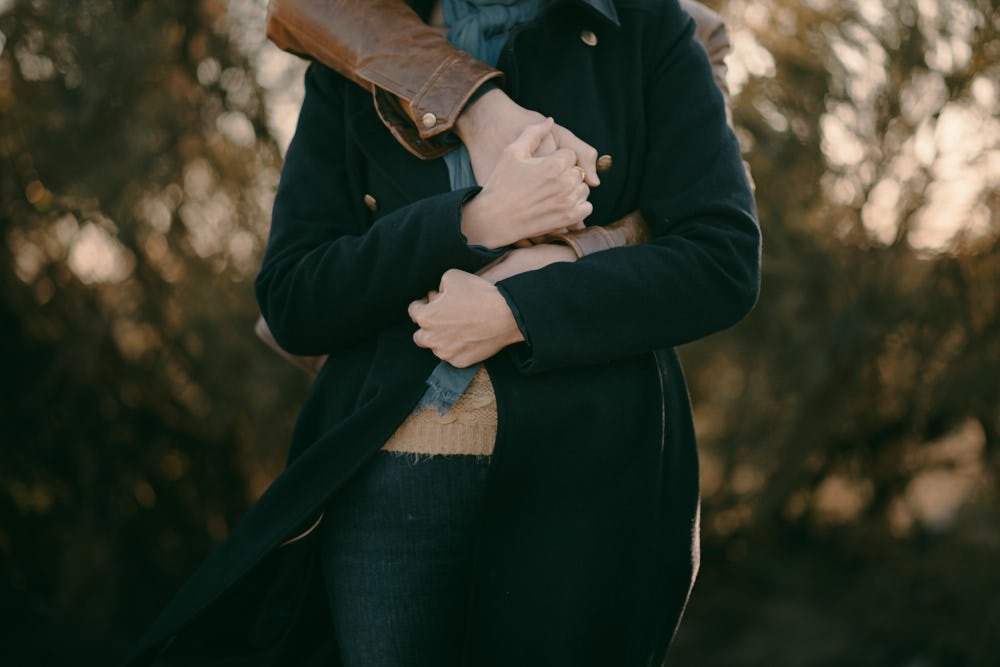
(397, 548)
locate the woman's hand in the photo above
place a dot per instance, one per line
(530, 258)
(493, 121)
(528, 196)
(465, 321)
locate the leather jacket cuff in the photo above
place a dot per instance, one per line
(435, 108)
(629, 230)
(408, 126)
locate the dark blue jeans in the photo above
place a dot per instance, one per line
(397, 547)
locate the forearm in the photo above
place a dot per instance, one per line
(320, 291)
(628, 300)
(630, 230)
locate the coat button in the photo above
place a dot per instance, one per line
(429, 120)
(588, 37)
(603, 163)
(371, 203)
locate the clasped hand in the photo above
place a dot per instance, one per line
(528, 196)
(466, 319)
(464, 322)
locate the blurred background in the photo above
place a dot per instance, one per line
(849, 428)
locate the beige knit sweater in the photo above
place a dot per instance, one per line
(470, 427)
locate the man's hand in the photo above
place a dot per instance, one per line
(527, 196)
(465, 321)
(494, 121)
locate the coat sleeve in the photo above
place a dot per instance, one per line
(329, 279)
(699, 272)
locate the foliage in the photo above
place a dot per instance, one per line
(139, 415)
(871, 358)
(849, 426)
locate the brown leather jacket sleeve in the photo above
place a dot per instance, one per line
(420, 82)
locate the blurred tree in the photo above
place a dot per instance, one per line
(878, 331)
(855, 415)
(138, 414)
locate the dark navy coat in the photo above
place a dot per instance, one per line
(589, 541)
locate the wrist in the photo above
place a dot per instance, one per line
(470, 115)
(475, 115)
(515, 331)
(511, 330)
(476, 222)
(514, 334)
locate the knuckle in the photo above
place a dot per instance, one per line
(567, 134)
(413, 311)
